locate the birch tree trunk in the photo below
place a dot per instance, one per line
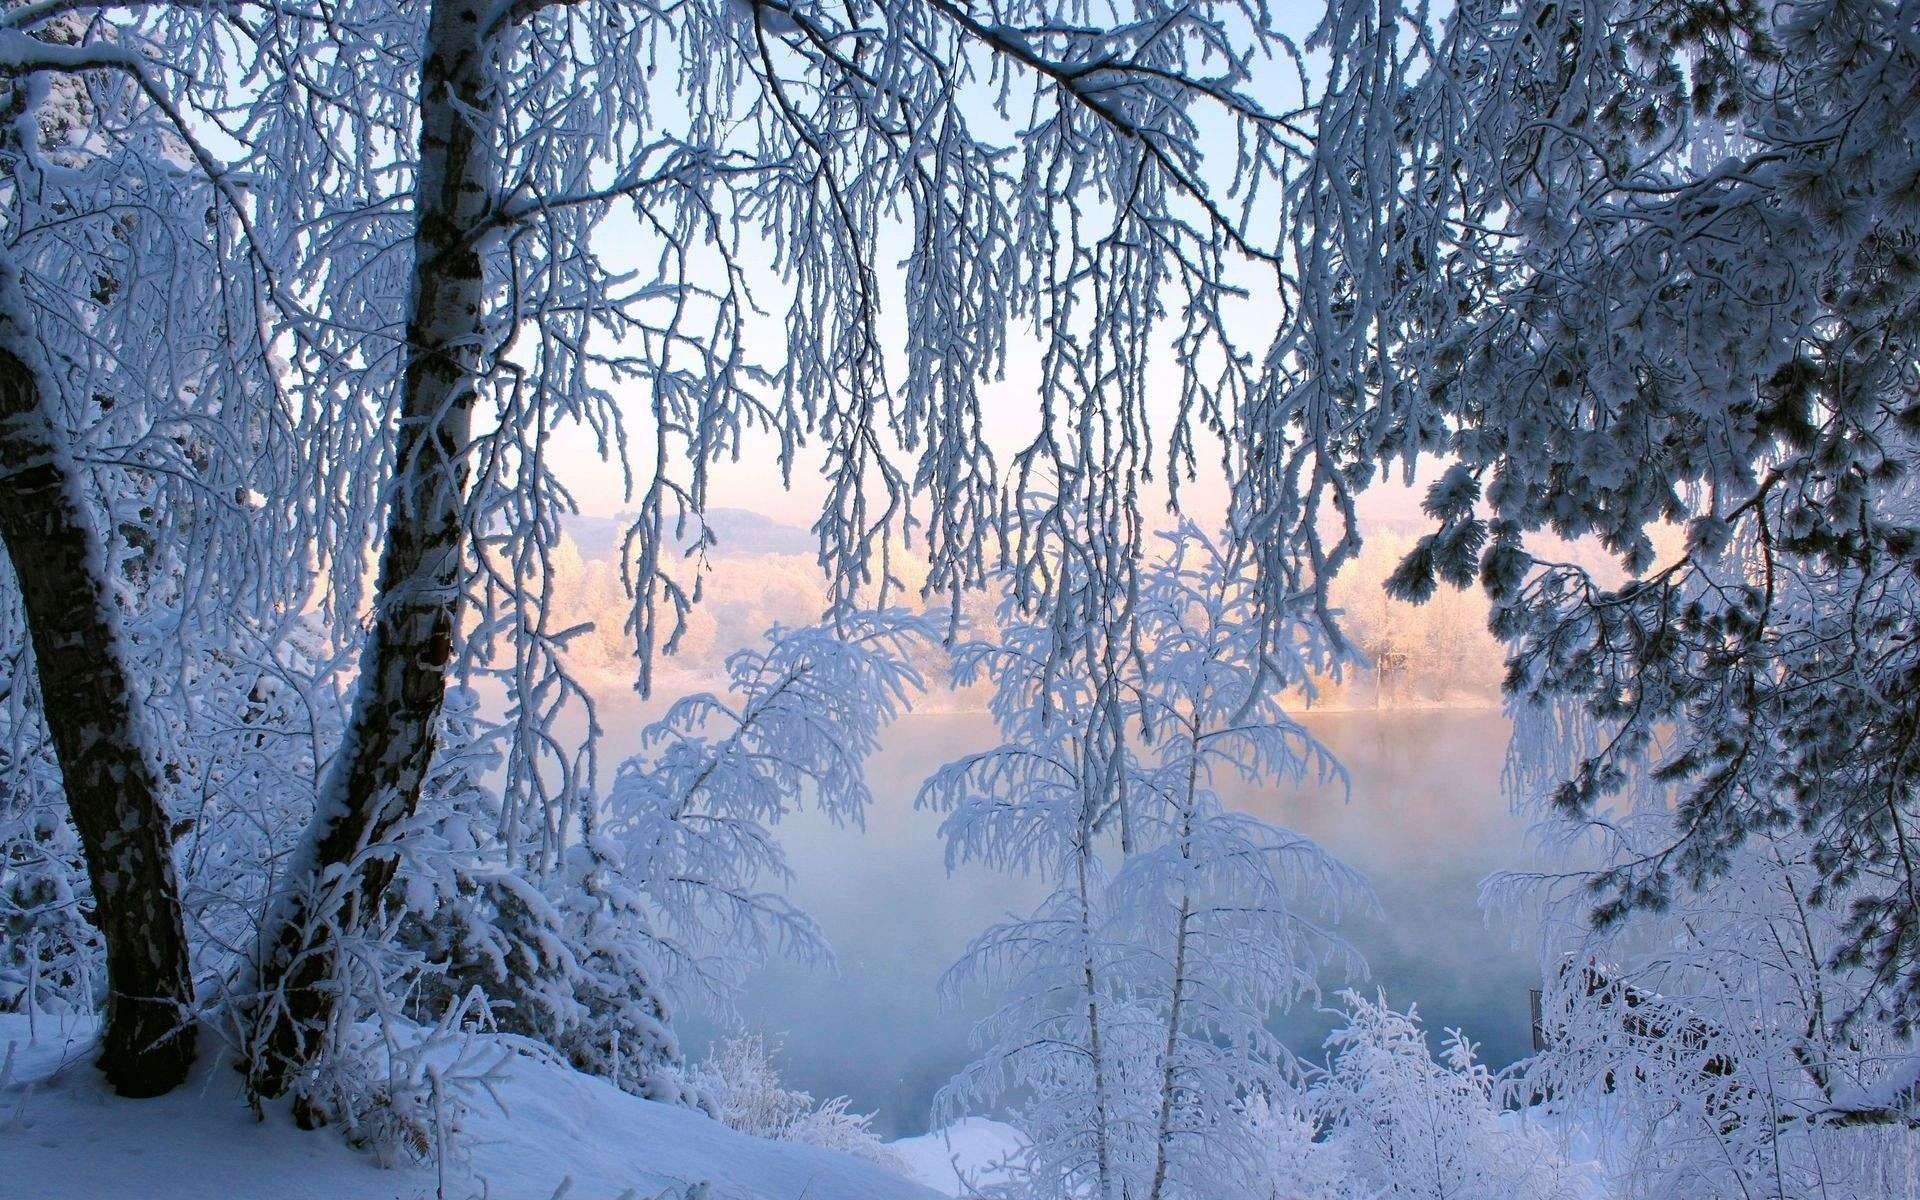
(1089, 981)
(1163, 1128)
(111, 784)
(375, 779)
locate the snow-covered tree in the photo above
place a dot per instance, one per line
(1223, 910)
(1707, 1046)
(1629, 267)
(693, 815)
(1131, 1030)
(1040, 170)
(151, 494)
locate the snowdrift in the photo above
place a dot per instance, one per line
(64, 1136)
(971, 1151)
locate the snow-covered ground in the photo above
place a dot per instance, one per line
(63, 1136)
(555, 1135)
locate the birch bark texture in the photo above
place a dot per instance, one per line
(87, 699)
(376, 777)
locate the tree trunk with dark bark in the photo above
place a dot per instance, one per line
(376, 777)
(111, 784)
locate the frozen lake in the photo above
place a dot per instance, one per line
(1426, 822)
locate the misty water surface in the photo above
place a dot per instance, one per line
(1425, 822)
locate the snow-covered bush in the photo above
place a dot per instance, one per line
(564, 958)
(740, 1082)
(1725, 1043)
(1412, 1127)
(401, 1090)
(553, 967)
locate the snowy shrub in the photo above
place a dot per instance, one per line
(50, 956)
(548, 974)
(400, 1089)
(563, 958)
(1412, 1127)
(740, 1081)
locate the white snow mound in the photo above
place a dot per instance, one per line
(969, 1154)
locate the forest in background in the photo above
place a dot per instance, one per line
(1438, 654)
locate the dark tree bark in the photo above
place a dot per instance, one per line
(111, 784)
(375, 780)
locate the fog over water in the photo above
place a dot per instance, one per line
(1425, 822)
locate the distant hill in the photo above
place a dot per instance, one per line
(740, 533)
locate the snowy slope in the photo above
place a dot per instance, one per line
(63, 1136)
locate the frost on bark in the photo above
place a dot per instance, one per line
(111, 786)
(376, 777)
